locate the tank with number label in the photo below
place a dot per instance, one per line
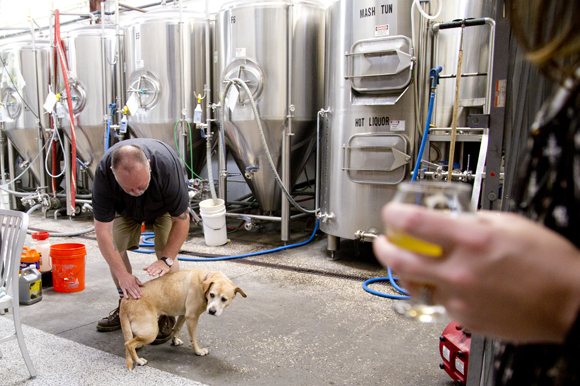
(94, 58)
(283, 68)
(162, 75)
(24, 87)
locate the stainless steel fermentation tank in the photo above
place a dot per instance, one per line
(368, 137)
(276, 47)
(163, 72)
(95, 58)
(24, 87)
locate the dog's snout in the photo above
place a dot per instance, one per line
(211, 311)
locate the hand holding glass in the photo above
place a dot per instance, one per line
(451, 198)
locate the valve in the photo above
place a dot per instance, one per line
(367, 236)
(325, 216)
(249, 225)
(250, 171)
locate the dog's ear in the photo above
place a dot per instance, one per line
(238, 289)
(206, 285)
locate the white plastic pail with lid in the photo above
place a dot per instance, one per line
(214, 222)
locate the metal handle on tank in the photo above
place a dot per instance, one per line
(460, 22)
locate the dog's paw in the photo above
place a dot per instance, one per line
(141, 361)
(202, 352)
(176, 341)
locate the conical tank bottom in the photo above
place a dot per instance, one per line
(243, 140)
(26, 143)
(164, 132)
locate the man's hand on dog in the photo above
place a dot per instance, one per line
(157, 268)
(130, 286)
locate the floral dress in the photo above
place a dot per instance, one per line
(549, 194)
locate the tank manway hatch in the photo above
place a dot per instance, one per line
(381, 65)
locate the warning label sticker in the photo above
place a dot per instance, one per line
(382, 30)
(500, 92)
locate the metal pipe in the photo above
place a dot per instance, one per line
(365, 236)
(40, 139)
(286, 140)
(68, 178)
(491, 23)
(89, 15)
(182, 74)
(11, 172)
(78, 195)
(104, 73)
(255, 216)
(51, 54)
(134, 8)
(317, 183)
(52, 68)
(266, 218)
(2, 177)
(222, 163)
(120, 83)
(241, 203)
(26, 30)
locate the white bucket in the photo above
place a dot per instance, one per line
(214, 222)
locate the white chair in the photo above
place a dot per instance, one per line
(13, 226)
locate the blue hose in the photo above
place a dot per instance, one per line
(148, 243)
(107, 134)
(434, 82)
(390, 279)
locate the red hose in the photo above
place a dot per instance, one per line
(63, 66)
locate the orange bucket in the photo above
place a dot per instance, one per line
(68, 267)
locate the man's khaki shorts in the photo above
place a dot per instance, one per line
(127, 232)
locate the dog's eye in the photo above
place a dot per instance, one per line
(212, 295)
(224, 300)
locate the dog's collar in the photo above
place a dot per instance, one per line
(207, 276)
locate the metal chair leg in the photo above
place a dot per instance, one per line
(21, 343)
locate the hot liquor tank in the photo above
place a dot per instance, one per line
(369, 129)
(25, 81)
(94, 58)
(163, 74)
(276, 47)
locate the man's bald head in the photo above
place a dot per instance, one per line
(127, 158)
(131, 169)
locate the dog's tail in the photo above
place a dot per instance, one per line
(127, 332)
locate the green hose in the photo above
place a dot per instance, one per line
(190, 147)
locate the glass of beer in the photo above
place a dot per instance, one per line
(451, 198)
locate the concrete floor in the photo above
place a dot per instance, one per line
(306, 321)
